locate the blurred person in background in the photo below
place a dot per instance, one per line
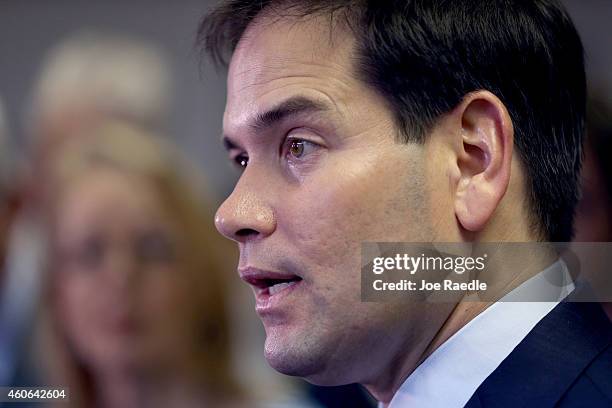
(85, 80)
(93, 75)
(594, 212)
(89, 78)
(136, 294)
(19, 283)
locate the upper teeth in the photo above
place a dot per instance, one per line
(278, 287)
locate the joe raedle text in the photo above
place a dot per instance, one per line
(423, 285)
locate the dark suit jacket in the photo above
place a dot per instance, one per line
(565, 361)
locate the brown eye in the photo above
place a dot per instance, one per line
(299, 150)
(296, 148)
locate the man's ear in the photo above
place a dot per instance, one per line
(484, 157)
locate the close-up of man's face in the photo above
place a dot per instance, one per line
(357, 203)
(323, 171)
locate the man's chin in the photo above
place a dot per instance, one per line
(297, 359)
(291, 356)
(284, 359)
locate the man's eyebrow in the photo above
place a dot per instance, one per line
(293, 106)
(290, 107)
(228, 143)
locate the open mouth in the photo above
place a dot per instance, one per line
(272, 286)
(278, 286)
(268, 284)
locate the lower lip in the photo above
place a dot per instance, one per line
(265, 303)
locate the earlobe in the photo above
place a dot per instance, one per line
(484, 158)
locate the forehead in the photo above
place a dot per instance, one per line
(279, 44)
(96, 192)
(280, 55)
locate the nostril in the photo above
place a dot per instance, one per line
(245, 232)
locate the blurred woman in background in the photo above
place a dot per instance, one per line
(135, 284)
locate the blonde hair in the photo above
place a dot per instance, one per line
(115, 73)
(132, 151)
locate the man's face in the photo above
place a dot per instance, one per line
(325, 172)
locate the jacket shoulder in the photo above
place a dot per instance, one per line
(593, 388)
(564, 361)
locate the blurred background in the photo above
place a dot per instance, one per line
(75, 72)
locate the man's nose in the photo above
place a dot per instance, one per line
(245, 216)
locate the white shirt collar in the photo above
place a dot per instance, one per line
(452, 373)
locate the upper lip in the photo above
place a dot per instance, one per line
(262, 279)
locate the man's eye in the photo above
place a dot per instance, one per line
(299, 148)
(241, 160)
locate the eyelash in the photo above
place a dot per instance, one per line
(241, 160)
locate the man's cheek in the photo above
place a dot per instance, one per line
(334, 211)
(330, 240)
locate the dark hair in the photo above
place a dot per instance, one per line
(424, 56)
